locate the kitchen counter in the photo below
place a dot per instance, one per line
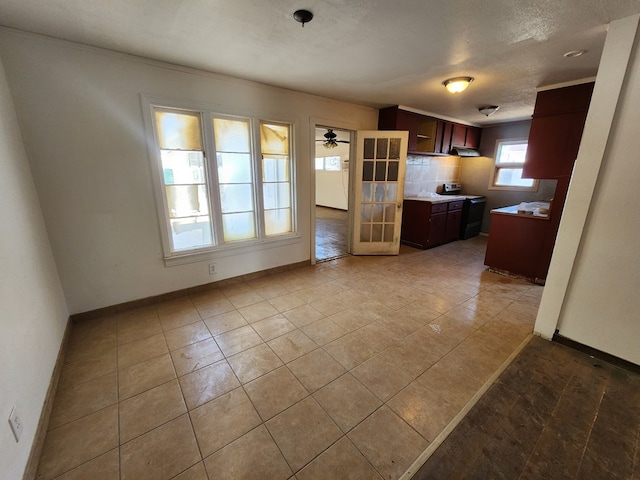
(442, 198)
(525, 210)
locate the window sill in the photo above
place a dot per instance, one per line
(512, 188)
(230, 250)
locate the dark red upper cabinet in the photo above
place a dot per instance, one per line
(556, 131)
(428, 135)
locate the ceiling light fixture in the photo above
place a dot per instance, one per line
(457, 84)
(574, 53)
(302, 16)
(488, 110)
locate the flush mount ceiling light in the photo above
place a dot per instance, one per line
(488, 110)
(574, 53)
(457, 84)
(302, 16)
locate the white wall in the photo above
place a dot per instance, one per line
(80, 113)
(591, 294)
(332, 187)
(33, 313)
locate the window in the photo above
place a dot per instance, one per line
(507, 174)
(241, 194)
(328, 163)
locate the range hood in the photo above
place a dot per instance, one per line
(464, 152)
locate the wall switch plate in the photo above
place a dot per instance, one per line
(16, 424)
(212, 268)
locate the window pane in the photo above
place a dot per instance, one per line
(187, 200)
(320, 163)
(274, 139)
(369, 148)
(234, 167)
(231, 135)
(179, 166)
(512, 152)
(277, 221)
(365, 213)
(381, 148)
(392, 192)
(512, 177)
(366, 192)
(236, 198)
(332, 163)
(365, 232)
(367, 171)
(238, 226)
(277, 195)
(275, 169)
(178, 131)
(189, 233)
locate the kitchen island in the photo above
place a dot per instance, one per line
(519, 239)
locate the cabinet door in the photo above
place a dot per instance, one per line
(415, 223)
(553, 145)
(473, 137)
(444, 131)
(437, 226)
(459, 135)
(408, 121)
(452, 229)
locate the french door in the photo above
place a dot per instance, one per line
(378, 188)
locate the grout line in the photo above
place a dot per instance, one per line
(424, 456)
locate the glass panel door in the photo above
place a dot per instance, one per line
(379, 188)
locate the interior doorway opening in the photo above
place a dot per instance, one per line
(332, 155)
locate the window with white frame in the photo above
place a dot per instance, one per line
(331, 163)
(509, 162)
(241, 193)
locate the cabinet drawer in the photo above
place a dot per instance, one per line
(457, 205)
(438, 207)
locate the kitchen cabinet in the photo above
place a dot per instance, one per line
(556, 131)
(428, 135)
(454, 220)
(422, 129)
(429, 224)
(516, 246)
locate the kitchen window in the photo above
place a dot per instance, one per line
(221, 181)
(507, 172)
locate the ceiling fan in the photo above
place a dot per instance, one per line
(330, 139)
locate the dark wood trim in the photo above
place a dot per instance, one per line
(31, 468)
(143, 302)
(595, 353)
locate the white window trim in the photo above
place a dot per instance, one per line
(496, 168)
(224, 250)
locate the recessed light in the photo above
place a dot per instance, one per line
(574, 53)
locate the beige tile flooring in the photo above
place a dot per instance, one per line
(347, 369)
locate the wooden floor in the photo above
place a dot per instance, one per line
(331, 233)
(555, 413)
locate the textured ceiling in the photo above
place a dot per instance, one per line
(373, 52)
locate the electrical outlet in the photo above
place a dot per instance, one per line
(212, 268)
(16, 424)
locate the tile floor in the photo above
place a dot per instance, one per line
(331, 233)
(555, 413)
(347, 369)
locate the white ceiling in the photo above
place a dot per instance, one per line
(372, 52)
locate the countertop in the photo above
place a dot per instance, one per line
(525, 210)
(442, 198)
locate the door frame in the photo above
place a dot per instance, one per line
(318, 122)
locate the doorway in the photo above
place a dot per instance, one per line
(332, 154)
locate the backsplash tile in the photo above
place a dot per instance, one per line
(427, 174)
